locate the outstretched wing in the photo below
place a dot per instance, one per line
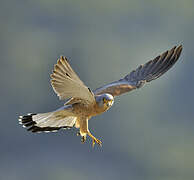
(144, 73)
(67, 84)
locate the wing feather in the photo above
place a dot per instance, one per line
(67, 84)
(153, 69)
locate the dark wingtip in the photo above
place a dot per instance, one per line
(179, 50)
(181, 46)
(159, 66)
(64, 58)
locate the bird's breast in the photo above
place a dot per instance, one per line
(88, 110)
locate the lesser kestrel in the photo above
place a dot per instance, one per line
(84, 103)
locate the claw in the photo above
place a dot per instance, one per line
(95, 140)
(93, 143)
(78, 134)
(83, 139)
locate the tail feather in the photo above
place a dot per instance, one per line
(47, 122)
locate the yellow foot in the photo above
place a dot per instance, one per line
(83, 139)
(95, 140)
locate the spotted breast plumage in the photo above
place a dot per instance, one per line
(84, 103)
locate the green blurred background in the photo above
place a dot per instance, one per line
(147, 135)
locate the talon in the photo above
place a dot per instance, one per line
(93, 143)
(83, 139)
(78, 134)
(95, 140)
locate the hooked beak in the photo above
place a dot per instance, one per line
(110, 103)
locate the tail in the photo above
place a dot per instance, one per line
(48, 122)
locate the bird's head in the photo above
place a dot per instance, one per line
(105, 101)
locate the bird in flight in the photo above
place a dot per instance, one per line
(84, 103)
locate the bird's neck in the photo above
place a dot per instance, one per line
(100, 109)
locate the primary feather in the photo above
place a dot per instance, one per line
(144, 73)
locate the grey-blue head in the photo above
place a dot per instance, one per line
(105, 100)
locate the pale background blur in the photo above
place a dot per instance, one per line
(147, 135)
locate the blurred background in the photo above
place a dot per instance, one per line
(147, 135)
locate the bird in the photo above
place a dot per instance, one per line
(82, 103)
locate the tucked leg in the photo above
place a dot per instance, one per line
(84, 131)
(77, 123)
